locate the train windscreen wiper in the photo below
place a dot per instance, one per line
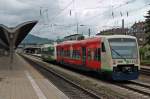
(118, 54)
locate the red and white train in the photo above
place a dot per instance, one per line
(115, 55)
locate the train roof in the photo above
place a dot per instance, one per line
(67, 42)
(47, 45)
(78, 41)
(95, 38)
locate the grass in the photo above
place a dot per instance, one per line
(145, 62)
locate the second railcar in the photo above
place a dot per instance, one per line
(48, 52)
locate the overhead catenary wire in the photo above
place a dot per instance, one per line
(47, 16)
(72, 2)
(98, 7)
(101, 14)
(69, 4)
(127, 13)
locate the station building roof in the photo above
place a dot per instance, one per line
(19, 33)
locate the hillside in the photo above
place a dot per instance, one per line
(32, 39)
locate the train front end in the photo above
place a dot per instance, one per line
(124, 55)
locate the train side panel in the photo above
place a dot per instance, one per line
(59, 54)
(93, 56)
(106, 57)
(84, 53)
(48, 53)
(75, 50)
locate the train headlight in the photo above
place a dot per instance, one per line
(114, 62)
(115, 69)
(127, 69)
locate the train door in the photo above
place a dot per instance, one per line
(83, 55)
(105, 58)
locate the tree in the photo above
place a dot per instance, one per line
(143, 51)
(147, 27)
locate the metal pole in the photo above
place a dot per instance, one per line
(76, 17)
(77, 27)
(11, 42)
(89, 32)
(123, 27)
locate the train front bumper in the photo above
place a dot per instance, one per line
(125, 75)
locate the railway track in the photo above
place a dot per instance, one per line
(134, 86)
(145, 71)
(138, 87)
(73, 90)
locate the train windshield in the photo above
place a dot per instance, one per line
(123, 48)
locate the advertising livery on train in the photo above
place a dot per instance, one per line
(114, 55)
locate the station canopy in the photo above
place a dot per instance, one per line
(14, 34)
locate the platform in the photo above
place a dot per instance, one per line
(21, 81)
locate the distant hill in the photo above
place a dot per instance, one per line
(32, 39)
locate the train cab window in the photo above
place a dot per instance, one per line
(103, 47)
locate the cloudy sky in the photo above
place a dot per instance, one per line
(58, 18)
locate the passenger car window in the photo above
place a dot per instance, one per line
(97, 54)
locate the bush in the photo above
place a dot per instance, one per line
(145, 62)
(145, 52)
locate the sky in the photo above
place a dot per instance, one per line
(59, 18)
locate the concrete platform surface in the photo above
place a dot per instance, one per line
(20, 80)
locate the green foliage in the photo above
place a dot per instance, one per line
(147, 27)
(145, 62)
(142, 52)
(145, 52)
